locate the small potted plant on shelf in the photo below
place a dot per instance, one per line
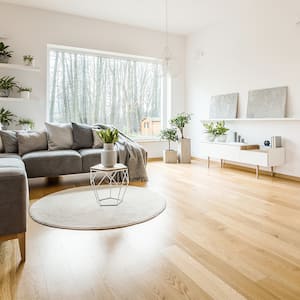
(184, 144)
(26, 124)
(170, 135)
(6, 117)
(7, 83)
(28, 60)
(5, 54)
(220, 132)
(109, 137)
(210, 131)
(24, 92)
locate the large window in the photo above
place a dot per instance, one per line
(90, 87)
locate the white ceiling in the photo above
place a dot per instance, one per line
(185, 16)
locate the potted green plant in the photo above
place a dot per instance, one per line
(7, 83)
(109, 137)
(6, 117)
(28, 60)
(5, 54)
(26, 124)
(24, 92)
(170, 135)
(220, 132)
(184, 144)
(210, 131)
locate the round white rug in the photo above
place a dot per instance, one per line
(77, 209)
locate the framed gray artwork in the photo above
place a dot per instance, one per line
(267, 103)
(223, 106)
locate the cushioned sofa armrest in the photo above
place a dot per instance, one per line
(13, 200)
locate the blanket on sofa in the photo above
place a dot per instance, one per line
(130, 154)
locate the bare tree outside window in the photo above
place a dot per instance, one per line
(90, 88)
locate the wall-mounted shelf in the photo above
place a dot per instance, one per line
(11, 99)
(251, 119)
(18, 67)
(3, 36)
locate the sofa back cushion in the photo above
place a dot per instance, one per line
(59, 136)
(82, 136)
(9, 140)
(29, 141)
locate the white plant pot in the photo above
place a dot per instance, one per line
(25, 95)
(184, 151)
(221, 138)
(209, 137)
(29, 63)
(108, 155)
(170, 156)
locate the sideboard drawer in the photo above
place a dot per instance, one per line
(258, 158)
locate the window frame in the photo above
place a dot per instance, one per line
(165, 103)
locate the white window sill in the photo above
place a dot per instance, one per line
(149, 140)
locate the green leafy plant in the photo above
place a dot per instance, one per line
(210, 128)
(7, 82)
(23, 89)
(109, 136)
(6, 116)
(180, 121)
(28, 58)
(24, 121)
(170, 135)
(220, 128)
(4, 50)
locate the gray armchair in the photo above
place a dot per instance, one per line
(13, 200)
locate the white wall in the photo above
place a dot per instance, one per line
(261, 52)
(30, 30)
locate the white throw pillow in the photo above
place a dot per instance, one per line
(98, 143)
(59, 136)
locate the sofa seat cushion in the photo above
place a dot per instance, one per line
(89, 158)
(52, 163)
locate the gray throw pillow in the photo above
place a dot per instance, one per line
(98, 143)
(59, 136)
(29, 141)
(9, 140)
(82, 136)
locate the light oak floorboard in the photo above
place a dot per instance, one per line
(224, 235)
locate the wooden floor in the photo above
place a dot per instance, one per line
(224, 235)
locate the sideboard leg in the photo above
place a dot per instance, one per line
(272, 171)
(257, 172)
(208, 162)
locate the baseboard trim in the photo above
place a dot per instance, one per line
(252, 170)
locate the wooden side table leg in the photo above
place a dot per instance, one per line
(257, 172)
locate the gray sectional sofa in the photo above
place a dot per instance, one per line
(42, 154)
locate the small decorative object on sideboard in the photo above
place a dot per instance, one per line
(267, 143)
(170, 135)
(7, 83)
(26, 124)
(29, 60)
(5, 54)
(6, 117)
(24, 92)
(209, 131)
(184, 144)
(109, 154)
(221, 132)
(276, 142)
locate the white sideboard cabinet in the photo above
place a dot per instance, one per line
(269, 158)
